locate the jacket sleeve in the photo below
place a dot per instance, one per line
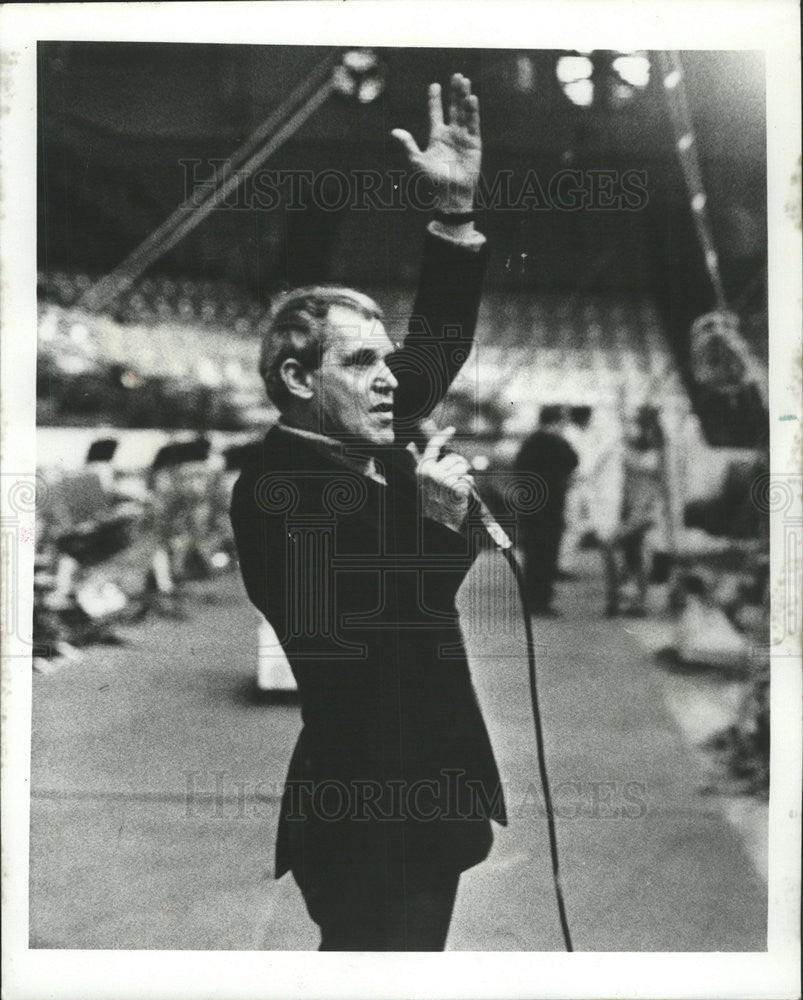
(261, 563)
(287, 571)
(440, 331)
(444, 556)
(286, 566)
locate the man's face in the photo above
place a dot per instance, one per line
(354, 386)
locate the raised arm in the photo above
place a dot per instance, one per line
(444, 317)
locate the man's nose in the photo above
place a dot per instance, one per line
(385, 379)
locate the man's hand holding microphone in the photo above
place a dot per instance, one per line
(445, 482)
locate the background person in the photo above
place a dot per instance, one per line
(643, 511)
(547, 454)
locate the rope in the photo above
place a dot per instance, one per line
(686, 145)
(208, 194)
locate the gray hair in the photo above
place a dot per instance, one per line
(299, 328)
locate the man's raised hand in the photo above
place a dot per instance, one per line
(452, 158)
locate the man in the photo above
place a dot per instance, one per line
(353, 543)
(547, 454)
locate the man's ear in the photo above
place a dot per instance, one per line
(296, 378)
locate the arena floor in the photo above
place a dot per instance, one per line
(157, 767)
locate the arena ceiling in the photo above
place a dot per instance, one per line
(119, 123)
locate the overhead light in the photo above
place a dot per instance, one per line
(580, 92)
(525, 74)
(633, 68)
(571, 68)
(360, 75)
(620, 93)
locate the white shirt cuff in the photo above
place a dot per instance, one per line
(464, 235)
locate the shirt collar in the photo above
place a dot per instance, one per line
(352, 458)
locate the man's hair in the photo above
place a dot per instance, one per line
(299, 328)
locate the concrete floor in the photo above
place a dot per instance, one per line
(156, 772)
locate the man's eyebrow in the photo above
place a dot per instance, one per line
(361, 356)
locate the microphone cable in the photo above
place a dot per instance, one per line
(511, 560)
(505, 547)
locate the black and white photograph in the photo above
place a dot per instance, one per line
(401, 500)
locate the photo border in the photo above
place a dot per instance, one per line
(739, 24)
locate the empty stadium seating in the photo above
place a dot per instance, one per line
(531, 350)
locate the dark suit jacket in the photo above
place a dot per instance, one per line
(393, 775)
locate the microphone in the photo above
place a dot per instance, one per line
(475, 502)
(498, 535)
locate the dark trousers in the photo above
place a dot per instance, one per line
(353, 920)
(541, 548)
